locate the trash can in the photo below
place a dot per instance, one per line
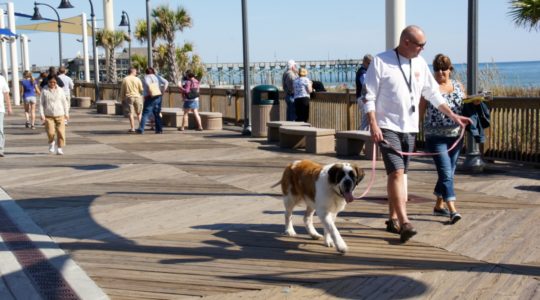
(264, 108)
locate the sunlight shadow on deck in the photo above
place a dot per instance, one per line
(96, 167)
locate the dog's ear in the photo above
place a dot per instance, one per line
(359, 173)
(333, 174)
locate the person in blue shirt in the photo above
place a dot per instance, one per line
(153, 88)
(29, 91)
(361, 91)
(303, 86)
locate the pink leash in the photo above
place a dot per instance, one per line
(374, 160)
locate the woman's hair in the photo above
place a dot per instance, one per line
(442, 62)
(51, 78)
(150, 70)
(302, 72)
(28, 74)
(190, 74)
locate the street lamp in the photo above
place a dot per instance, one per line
(247, 79)
(125, 22)
(149, 35)
(473, 158)
(37, 16)
(66, 4)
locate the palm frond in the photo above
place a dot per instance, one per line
(525, 13)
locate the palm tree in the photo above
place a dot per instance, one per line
(160, 58)
(526, 13)
(110, 40)
(182, 57)
(168, 22)
(139, 61)
(186, 63)
(141, 33)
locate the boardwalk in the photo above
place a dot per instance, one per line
(192, 214)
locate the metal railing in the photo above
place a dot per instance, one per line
(514, 134)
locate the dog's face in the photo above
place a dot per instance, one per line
(344, 178)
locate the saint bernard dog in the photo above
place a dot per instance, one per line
(325, 190)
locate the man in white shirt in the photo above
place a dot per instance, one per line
(4, 97)
(395, 81)
(68, 86)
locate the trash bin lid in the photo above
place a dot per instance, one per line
(265, 94)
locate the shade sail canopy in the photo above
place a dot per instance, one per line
(71, 25)
(5, 31)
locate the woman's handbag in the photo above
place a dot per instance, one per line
(154, 89)
(193, 93)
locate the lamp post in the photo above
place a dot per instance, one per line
(66, 4)
(125, 22)
(473, 158)
(149, 35)
(247, 79)
(37, 16)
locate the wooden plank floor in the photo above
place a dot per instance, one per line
(188, 215)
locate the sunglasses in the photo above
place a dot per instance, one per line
(421, 45)
(441, 69)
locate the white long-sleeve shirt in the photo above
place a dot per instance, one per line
(53, 103)
(388, 93)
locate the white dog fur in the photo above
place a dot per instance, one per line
(323, 189)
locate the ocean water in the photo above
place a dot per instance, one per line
(516, 74)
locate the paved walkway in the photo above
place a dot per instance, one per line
(193, 214)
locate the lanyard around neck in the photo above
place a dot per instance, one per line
(408, 82)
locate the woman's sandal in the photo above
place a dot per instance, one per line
(407, 231)
(392, 225)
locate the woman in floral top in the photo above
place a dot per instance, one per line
(441, 133)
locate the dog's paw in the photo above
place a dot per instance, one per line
(316, 236)
(342, 250)
(329, 243)
(291, 233)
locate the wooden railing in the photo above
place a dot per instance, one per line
(514, 133)
(515, 122)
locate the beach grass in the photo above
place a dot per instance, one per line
(490, 79)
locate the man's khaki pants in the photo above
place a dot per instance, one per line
(55, 125)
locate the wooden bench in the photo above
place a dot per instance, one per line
(107, 107)
(172, 116)
(351, 142)
(272, 134)
(315, 140)
(82, 102)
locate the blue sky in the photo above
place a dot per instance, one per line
(306, 29)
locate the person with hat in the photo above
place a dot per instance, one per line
(302, 88)
(287, 80)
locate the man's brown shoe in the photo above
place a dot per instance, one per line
(407, 232)
(392, 225)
